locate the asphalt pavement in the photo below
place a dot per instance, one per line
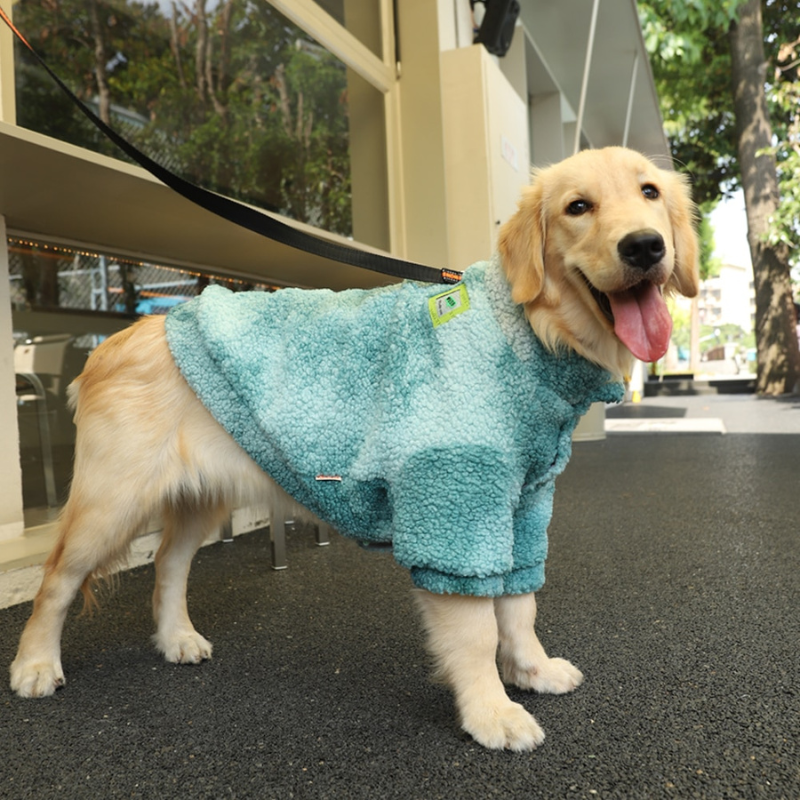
(673, 582)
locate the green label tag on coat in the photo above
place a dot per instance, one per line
(449, 304)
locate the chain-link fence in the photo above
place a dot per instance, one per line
(48, 276)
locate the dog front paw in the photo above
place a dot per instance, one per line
(37, 678)
(508, 727)
(553, 676)
(184, 648)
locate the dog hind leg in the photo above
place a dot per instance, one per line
(463, 639)
(523, 660)
(92, 539)
(186, 526)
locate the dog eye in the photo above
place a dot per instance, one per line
(578, 207)
(650, 191)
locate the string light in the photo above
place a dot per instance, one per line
(30, 244)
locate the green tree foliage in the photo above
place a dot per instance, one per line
(229, 94)
(726, 73)
(688, 46)
(709, 263)
(785, 93)
(690, 54)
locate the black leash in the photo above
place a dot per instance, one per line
(247, 217)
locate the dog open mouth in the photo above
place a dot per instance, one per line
(640, 317)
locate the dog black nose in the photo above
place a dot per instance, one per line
(642, 249)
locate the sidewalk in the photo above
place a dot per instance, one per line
(721, 413)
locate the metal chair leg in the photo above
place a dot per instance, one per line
(45, 440)
(226, 532)
(277, 535)
(323, 533)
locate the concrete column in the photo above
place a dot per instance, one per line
(8, 106)
(11, 520)
(421, 126)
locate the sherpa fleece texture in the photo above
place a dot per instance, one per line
(445, 440)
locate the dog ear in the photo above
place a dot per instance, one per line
(521, 246)
(683, 216)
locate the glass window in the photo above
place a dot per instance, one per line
(361, 17)
(228, 94)
(64, 302)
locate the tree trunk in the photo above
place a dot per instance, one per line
(224, 63)
(200, 51)
(175, 44)
(40, 280)
(103, 93)
(776, 339)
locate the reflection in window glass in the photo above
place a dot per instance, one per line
(228, 94)
(362, 18)
(64, 302)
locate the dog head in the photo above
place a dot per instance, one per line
(597, 242)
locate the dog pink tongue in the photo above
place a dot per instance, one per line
(642, 321)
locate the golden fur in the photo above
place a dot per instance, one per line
(145, 445)
(546, 252)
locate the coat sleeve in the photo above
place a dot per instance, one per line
(454, 519)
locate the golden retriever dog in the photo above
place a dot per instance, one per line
(597, 242)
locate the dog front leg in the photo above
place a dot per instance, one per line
(463, 637)
(523, 659)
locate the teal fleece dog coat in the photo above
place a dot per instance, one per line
(433, 420)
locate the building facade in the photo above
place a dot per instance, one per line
(370, 122)
(729, 298)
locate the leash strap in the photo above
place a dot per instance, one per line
(247, 217)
